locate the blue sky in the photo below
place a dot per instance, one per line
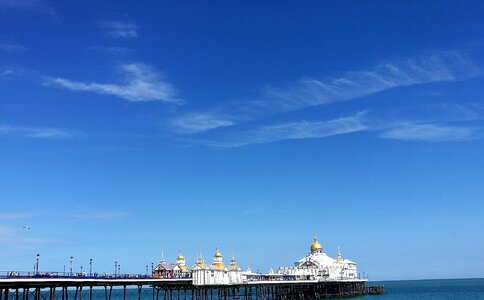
(129, 129)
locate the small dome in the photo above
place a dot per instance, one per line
(217, 254)
(180, 257)
(316, 245)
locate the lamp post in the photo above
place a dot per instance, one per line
(146, 270)
(151, 269)
(64, 270)
(115, 268)
(37, 264)
(90, 267)
(71, 261)
(81, 270)
(119, 269)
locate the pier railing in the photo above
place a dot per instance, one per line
(26, 274)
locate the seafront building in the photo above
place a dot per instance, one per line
(318, 265)
(202, 274)
(216, 273)
(176, 270)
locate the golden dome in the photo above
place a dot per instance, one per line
(180, 257)
(217, 254)
(218, 265)
(316, 245)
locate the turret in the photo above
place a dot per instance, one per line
(233, 263)
(200, 261)
(180, 260)
(339, 258)
(218, 259)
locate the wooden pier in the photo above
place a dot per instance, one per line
(176, 289)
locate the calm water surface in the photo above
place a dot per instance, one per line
(430, 289)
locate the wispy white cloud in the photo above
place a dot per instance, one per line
(15, 238)
(97, 215)
(14, 215)
(119, 29)
(294, 130)
(445, 66)
(197, 122)
(40, 6)
(12, 48)
(7, 73)
(141, 83)
(430, 132)
(34, 132)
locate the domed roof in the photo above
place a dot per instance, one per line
(179, 257)
(316, 245)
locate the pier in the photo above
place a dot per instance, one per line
(314, 276)
(176, 289)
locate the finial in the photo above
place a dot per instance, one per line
(339, 258)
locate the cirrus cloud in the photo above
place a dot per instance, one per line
(141, 83)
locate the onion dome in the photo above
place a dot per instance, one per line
(233, 263)
(200, 261)
(316, 246)
(218, 259)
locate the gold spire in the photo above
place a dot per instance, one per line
(233, 263)
(339, 258)
(217, 253)
(180, 255)
(200, 260)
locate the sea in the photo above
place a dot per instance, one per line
(465, 289)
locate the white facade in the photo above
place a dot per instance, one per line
(216, 273)
(318, 265)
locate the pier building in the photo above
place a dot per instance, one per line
(176, 270)
(216, 273)
(318, 265)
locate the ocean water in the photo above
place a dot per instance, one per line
(467, 289)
